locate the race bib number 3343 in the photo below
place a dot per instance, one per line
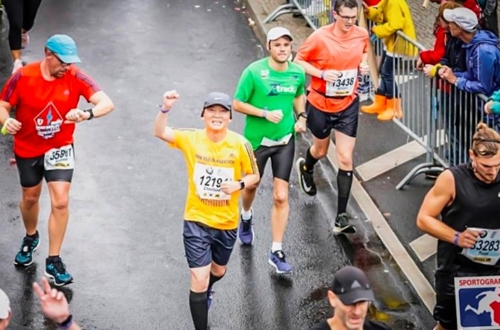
(208, 181)
(60, 158)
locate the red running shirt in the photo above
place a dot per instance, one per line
(41, 107)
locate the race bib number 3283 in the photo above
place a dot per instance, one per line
(60, 159)
(486, 251)
(208, 181)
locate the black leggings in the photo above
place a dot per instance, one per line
(281, 159)
(21, 15)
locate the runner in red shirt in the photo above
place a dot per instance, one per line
(46, 96)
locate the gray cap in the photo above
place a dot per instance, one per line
(216, 98)
(278, 32)
(463, 17)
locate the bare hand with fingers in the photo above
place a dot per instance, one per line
(229, 187)
(169, 98)
(331, 75)
(54, 304)
(427, 69)
(420, 65)
(487, 107)
(12, 125)
(274, 116)
(468, 238)
(75, 116)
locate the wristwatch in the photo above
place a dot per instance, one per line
(91, 113)
(302, 114)
(242, 184)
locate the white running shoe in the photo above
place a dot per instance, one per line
(17, 65)
(25, 40)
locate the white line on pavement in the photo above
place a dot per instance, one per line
(424, 247)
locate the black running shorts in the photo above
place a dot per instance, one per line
(32, 171)
(281, 159)
(321, 123)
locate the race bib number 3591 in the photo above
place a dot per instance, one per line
(208, 180)
(60, 158)
(486, 251)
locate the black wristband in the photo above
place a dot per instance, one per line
(91, 112)
(67, 323)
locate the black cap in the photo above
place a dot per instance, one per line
(351, 286)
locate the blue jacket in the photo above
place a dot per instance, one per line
(483, 65)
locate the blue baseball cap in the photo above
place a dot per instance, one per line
(64, 47)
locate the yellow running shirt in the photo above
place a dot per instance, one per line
(209, 164)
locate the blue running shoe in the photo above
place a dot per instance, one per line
(210, 297)
(245, 230)
(56, 271)
(277, 260)
(25, 255)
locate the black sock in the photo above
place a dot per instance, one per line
(52, 258)
(310, 161)
(344, 183)
(34, 236)
(214, 279)
(199, 309)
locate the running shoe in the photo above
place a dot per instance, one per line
(306, 179)
(55, 270)
(342, 225)
(245, 230)
(25, 255)
(277, 260)
(17, 65)
(25, 40)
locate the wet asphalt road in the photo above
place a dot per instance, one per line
(124, 243)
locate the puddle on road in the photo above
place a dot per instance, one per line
(395, 303)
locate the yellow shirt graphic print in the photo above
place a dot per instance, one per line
(209, 164)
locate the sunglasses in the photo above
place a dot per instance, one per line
(64, 64)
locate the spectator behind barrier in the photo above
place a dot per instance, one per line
(442, 34)
(470, 4)
(391, 16)
(481, 51)
(490, 17)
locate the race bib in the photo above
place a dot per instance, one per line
(208, 180)
(344, 85)
(272, 143)
(59, 159)
(486, 251)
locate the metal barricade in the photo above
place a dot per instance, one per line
(437, 115)
(317, 13)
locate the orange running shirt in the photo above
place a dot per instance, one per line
(41, 107)
(326, 51)
(208, 165)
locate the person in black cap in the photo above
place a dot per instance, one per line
(220, 164)
(350, 296)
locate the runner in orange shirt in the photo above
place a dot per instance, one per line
(45, 95)
(333, 56)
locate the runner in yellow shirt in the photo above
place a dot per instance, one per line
(220, 164)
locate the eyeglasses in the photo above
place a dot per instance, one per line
(64, 64)
(348, 18)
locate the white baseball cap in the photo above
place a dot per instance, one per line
(278, 32)
(463, 17)
(4, 305)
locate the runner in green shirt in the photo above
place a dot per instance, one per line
(268, 91)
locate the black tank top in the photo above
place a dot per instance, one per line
(476, 204)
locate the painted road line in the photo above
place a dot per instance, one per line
(417, 279)
(394, 158)
(424, 247)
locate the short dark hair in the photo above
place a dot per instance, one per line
(345, 3)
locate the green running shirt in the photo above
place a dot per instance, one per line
(266, 88)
